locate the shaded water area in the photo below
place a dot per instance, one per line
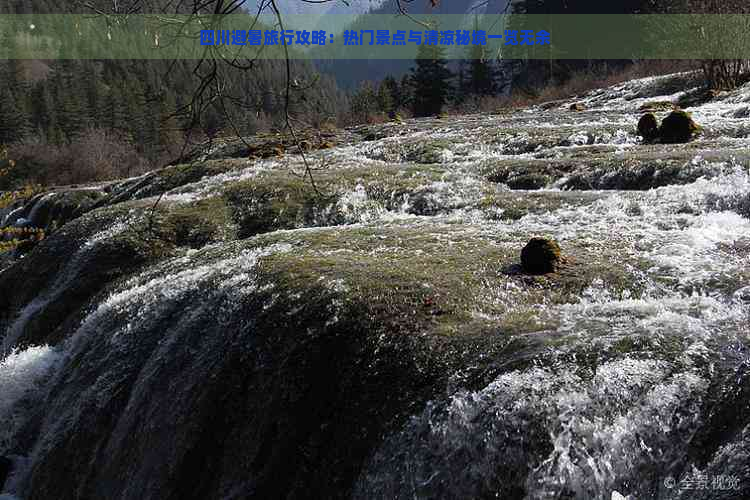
(253, 339)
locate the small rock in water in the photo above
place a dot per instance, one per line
(678, 127)
(648, 127)
(743, 294)
(5, 468)
(541, 256)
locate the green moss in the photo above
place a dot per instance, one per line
(169, 178)
(196, 224)
(657, 106)
(437, 277)
(281, 200)
(522, 173)
(269, 203)
(428, 152)
(513, 205)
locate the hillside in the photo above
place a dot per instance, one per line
(150, 107)
(247, 337)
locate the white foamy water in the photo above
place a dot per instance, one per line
(611, 405)
(22, 373)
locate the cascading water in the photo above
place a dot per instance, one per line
(303, 363)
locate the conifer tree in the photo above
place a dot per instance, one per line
(114, 115)
(14, 94)
(364, 103)
(70, 103)
(481, 77)
(13, 124)
(389, 96)
(431, 81)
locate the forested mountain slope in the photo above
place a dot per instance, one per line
(147, 103)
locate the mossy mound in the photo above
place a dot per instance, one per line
(657, 106)
(277, 201)
(73, 264)
(514, 205)
(522, 174)
(648, 127)
(405, 305)
(166, 179)
(528, 181)
(541, 256)
(268, 150)
(428, 152)
(647, 167)
(678, 127)
(196, 225)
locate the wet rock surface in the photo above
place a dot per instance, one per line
(250, 337)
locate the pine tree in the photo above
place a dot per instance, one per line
(148, 129)
(72, 109)
(13, 124)
(114, 114)
(406, 91)
(461, 93)
(389, 96)
(168, 123)
(364, 103)
(93, 92)
(481, 77)
(14, 94)
(431, 81)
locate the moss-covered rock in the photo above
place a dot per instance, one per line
(541, 256)
(272, 150)
(652, 106)
(404, 305)
(528, 181)
(513, 205)
(197, 224)
(648, 127)
(678, 127)
(278, 201)
(523, 173)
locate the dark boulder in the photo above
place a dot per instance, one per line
(541, 256)
(648, 127)
(678, 127)
(6, 466)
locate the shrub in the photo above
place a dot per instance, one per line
(99, 155)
